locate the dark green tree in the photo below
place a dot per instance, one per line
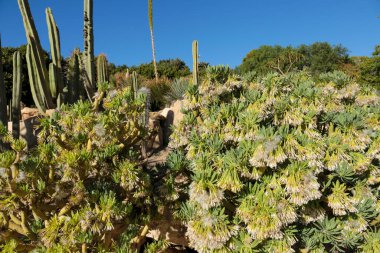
(173, 68)
(322, 57)
(318, 58)
(261, 60)
(369, 71)
(170, 68)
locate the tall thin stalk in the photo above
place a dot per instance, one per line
(150, 14)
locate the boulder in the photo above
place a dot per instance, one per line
(28, 112)
(28, 129)
(176, 108)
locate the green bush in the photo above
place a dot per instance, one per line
(283, 164)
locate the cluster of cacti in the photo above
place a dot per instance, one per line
(83, 186)
(282, 164)
(46, 86)
(195, 63)
(13, 112)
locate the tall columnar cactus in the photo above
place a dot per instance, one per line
(102, 69)
(16, 95)
(145, 118)
(55, 68)
(89, 43)
(74, 81)
(195, 63)
(3, 99)
(135, 86)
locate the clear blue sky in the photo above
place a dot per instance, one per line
(226, 30)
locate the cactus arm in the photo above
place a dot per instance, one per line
(32, 36)
(55, 48)
(34, 87)
(42, 83)
(16, 95)
(53, 80)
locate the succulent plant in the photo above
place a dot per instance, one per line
(281, 164)
(177, 90)
(82, 184)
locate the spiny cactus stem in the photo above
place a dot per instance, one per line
(195, 63)
(16, 95)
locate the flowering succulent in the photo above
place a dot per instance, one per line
(280, 164)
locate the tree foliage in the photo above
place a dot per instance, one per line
(369, 71)
(170, 68)
(318, 58)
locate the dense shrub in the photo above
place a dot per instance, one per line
(158, 89)
(283, 164)
(319, 57)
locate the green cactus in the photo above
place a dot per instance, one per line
(195, 63)
(74, 81)
(89, 43)
(3, 99)
(32, 36)
(38, 73)
(46, 84)
(16, 95)
(102, 69)
(145, 118)
(134, 86)
(53, 80)
(39, 90)
(55, 71)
